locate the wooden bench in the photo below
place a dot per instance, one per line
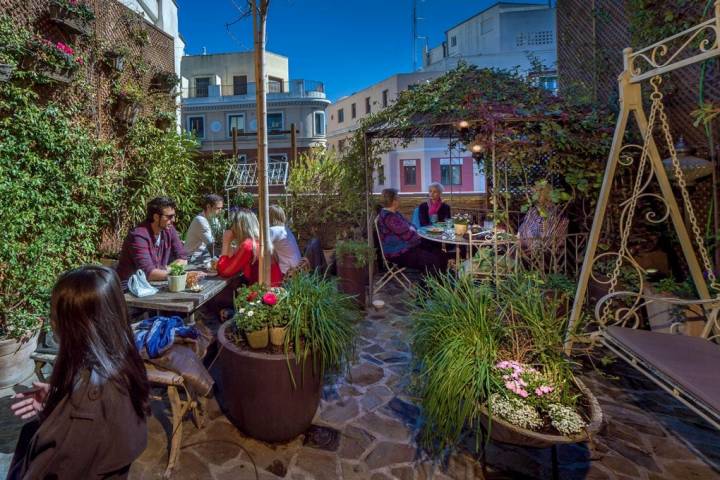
(172, 383)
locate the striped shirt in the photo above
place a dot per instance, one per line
(139, 251)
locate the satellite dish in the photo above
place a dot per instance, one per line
(253, 125)
(215, 126)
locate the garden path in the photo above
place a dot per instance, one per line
(366, 426)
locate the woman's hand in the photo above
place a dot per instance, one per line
(31, 401)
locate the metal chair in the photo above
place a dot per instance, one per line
(392, 271)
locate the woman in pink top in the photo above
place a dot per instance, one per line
(245, 231)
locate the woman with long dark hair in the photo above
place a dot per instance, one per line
(92, 414)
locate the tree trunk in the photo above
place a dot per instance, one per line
(260, 10)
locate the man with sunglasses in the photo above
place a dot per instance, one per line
(154, 244)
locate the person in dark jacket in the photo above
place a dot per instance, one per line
(434, 209)
(92, 415)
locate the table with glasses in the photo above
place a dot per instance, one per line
(445, 233)
(185, 303)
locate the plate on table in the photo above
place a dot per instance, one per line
(435, 230)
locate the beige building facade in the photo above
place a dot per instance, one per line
(219, 94)
(423, 161)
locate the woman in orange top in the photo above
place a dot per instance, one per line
(245, 231)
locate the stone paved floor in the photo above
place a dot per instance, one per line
(367, 422)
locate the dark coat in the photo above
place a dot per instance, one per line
(424, 213)
(95, 433)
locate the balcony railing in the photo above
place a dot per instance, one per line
(291, 89)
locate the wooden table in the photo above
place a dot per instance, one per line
(184, 303)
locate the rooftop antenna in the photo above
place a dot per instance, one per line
(415, 36)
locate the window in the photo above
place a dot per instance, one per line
(236, 120)
(341, 116)
(275, 122)
(319, 121)
(548, 83)
(453, 41)
(381, 175)
(240, 85)
(202, 86)
(353, 111)
(450, 171)
(367, 105)
(275, 85)
(409, 172)
(197, 126)
(385, 98)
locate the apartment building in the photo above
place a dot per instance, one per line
(219, 93)
(505, 35)
(423, 161)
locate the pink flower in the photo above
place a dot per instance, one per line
(522, 393)
(510, 386)
(539, 392)
(79, 60)
(73, 2)
(269, 298)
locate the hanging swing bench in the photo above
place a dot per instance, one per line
(684, 366)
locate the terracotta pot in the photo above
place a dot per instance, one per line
(259, 395)
(460, 229)
(353, 279)
(15, 363)
(277, 336)
(258, 338)
(177, 283)
(505, 432)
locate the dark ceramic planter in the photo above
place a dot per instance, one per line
(353, 280)
(505, 432)
(6, 71)
(258, 393)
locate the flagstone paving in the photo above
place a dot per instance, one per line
(368, 420)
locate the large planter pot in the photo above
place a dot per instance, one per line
(177, 283)
(353, 279)
(15, 363)
(258, 393)
(505, 432)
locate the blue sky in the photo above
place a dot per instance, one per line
(347, 44)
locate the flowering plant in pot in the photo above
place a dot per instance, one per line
(461, 222)
(58, 61)
(353, 258)
(258, 309)
(491, 359)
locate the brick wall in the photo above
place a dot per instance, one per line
(115, 26)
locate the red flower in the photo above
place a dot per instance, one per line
(252, 296)
(269, 298)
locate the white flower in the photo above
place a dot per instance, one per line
(565, 419)
(515, 411)
(250, 313)
(242, 310)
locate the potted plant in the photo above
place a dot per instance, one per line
(177, 277)
(73, 15)
(55, 61)
(114, 58)
(272, 396)
(165, 81)
(7, 66)
(19, 332)
(126, 100)
(663, 316)
(461, 222)
(353, 258)
(491, 359)
(242, 200)
(165, 119)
